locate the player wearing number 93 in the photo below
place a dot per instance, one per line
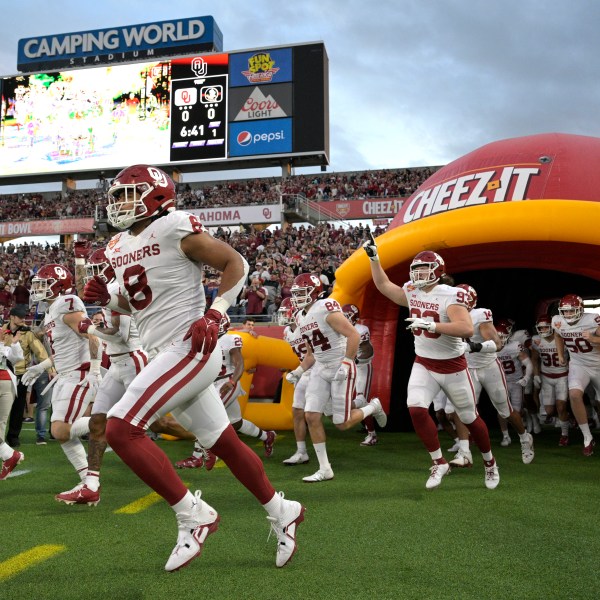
(159, 264)
(439, 319)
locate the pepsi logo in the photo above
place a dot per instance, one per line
(244, 138)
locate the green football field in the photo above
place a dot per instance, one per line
(372, 532)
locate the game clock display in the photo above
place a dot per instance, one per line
(199, 108)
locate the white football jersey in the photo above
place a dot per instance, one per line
(228, 342)
(326, 344)
(581, 352)
(296, 341)
(118, 345)
(509, 359)
(548, 356)
(478, 360)
(433, 306)
(162, 285)
(365, 336)
(69, 350)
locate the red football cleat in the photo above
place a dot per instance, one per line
(563, 441)
(268, 443)
(79, 495)
(10, 463)
(193, 462)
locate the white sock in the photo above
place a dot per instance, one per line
(505, 434)
(249, 428)
(564, 428)
(301, 447)
(321, 451)
(587, 434)
(463, 445)
(367, 410)
(186, 504)
(76, 454)
(80, 427)
(274, 505)
(92, 480)
(523, 436)
(5, 451)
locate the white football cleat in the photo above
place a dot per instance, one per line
(194, 527)
(298, 458)
(370, 440)
(284, 527)
(492, 476)
(527, 452)
(320, 475)
(438, 471)
(378, 412)
(506, 441)
(463, 459)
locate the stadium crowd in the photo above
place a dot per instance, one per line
(325, 187)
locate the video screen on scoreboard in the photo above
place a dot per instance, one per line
(102, 118)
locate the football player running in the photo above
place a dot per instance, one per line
(127, 359)
(487, 373)
(332, 344)
(573, 329)
(364, 370)
(159, 264)
(439, 319)
(550, 377)
(292, 335)
(76, 356)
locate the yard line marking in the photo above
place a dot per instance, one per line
(139, 505)
(18, 473)
(13, 566)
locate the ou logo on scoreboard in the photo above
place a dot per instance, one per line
(244, 138)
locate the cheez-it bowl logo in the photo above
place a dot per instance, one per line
(114, 241)
(342, 209)
(261, 68)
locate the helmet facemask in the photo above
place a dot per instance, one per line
(126, 204)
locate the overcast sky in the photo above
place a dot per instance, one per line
(412, 82)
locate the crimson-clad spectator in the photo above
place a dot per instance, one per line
(21, 295)
(6, 297)
(256, 294)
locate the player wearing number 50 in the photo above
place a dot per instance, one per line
(575, 330)
(439, 319)
(159, 264)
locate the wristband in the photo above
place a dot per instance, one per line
(80, 262)
(46, 364)
(95, 365)
(220, 304)
(489, 346)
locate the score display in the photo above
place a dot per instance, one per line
(235, 110)
(199, 109)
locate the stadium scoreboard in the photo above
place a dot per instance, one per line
(214, 111)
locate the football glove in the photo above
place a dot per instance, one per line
(523, 381)
(345, 371)
(370, 247)
(96, 292)
(418, 323)
(204, 332)
(294, 376)
(30, 376)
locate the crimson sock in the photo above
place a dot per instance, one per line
(369, 423)
(145, 459)
(425, 428)
(479, 433)
(244, 464)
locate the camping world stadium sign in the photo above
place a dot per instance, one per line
(119, 44)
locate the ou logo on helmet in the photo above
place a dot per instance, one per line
(160, 178)
(60, 273)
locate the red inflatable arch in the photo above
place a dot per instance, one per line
(517, 218)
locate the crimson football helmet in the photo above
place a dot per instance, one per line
(97, 264)
(544, 325)
(285, 312)
(139, 192)
(306, 290)
(570, 308)
(351, 312)
(224, 324)
(50, 282)
(471, 295)
(504, 328)
(426, 268)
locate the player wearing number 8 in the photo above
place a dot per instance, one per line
(439, 319)
(572, 330)
(159, 266)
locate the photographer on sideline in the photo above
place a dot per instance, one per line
(32, 347)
